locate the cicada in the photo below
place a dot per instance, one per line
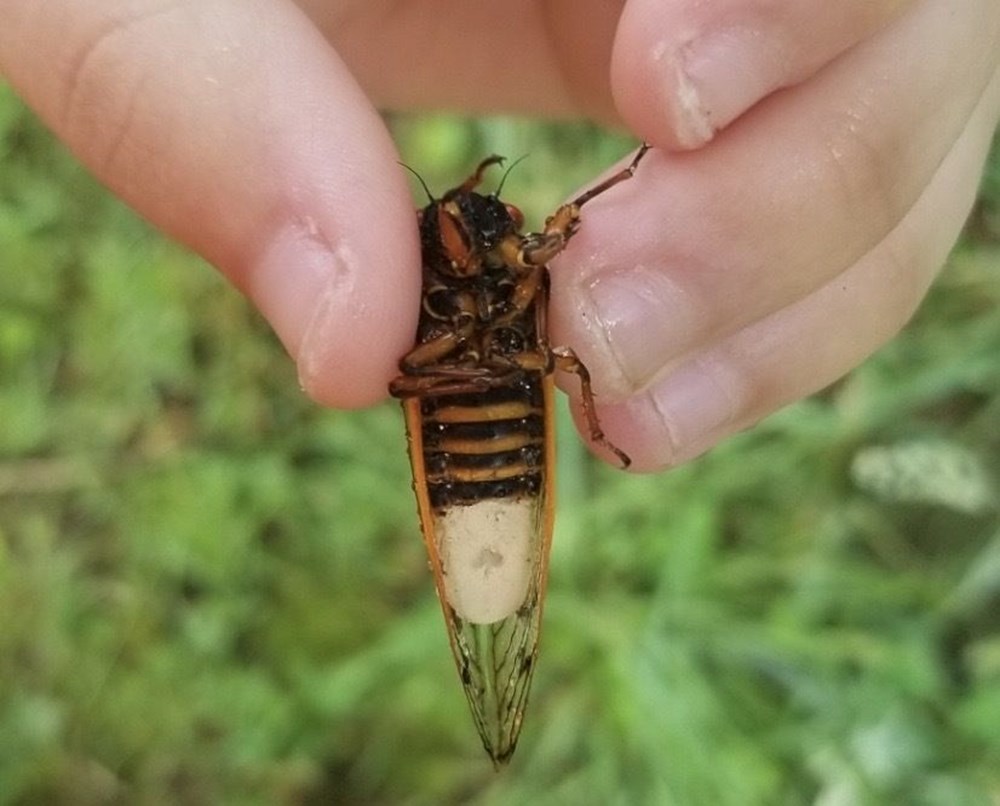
(477, 396)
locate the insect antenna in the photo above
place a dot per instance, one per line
(496, 193)
(420, 179)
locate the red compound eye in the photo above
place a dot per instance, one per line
(516, 215)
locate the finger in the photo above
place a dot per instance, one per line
(524, 56)
(700, 65)
(701, 244)
(235, 128)
(808, 345)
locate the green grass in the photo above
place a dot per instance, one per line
(212, 591)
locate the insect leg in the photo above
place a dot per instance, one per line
(433, 351)
(567, 361)
(625, 173)
(454, 380)
(539, 248)
(423, 358)
(531, 287)
(422, 385)
(477, 175)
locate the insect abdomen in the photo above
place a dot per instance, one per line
(484, 445)
(482, 469)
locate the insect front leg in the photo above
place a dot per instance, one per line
(625, 173)
(477, 175)
(540, 247)
(567, 361)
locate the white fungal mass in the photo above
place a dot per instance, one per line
(487, 557)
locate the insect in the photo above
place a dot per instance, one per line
(477, 396)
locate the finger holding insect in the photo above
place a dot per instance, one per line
(733, 382)
(701, 244)
(236, 129)
(682, 71)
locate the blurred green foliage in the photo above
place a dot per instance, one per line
(212, 591)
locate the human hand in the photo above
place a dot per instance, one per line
(729, 279)
(724, 281)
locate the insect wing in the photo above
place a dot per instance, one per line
(489, 558)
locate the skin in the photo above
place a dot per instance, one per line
(814, 163)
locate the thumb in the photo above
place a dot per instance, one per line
(238, 131)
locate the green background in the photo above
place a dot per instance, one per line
(213, 591)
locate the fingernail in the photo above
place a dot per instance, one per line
(292, 284)
(644, 318)
(694, 403)
(721, 75)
